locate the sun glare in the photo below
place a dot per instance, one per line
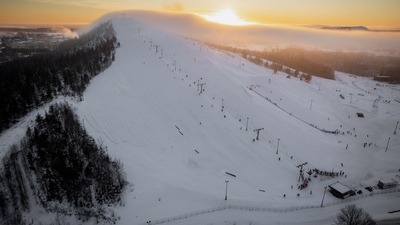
(227, 17)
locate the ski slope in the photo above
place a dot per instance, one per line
(146, 108)
(177, 144)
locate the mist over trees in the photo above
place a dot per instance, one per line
(59, 163)
(324, 63)
(285, 60)
(29, 82)
(357, 63)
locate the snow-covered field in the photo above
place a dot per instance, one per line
(177, 144)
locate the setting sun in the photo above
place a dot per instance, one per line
(227, 17)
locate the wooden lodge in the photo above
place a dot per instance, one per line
(340, 190)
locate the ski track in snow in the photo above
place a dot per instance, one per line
(177, 145)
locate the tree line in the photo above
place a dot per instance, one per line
(27, 83)
(285, 60)
(323, 63)
(58, 162)
(359, 63)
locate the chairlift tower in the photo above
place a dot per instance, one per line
(301, 176)
(277, 147)
(201, 87)
(258, 132)
(226, 189)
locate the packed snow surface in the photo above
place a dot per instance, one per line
(178, 145)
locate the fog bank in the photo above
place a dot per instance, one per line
(268, 36)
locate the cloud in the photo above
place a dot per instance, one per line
(101, 4)
(176, 7)
(67, 32)
(274, 36)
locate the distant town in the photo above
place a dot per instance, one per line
(17, 42)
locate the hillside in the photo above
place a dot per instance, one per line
(142, 103)
(177, 142)
(59, 169)
(29, 82)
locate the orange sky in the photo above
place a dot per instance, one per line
(382, 13)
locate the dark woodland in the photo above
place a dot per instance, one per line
(58, 162)
(27, 83)
(295, 61)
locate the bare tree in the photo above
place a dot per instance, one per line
(352, 215)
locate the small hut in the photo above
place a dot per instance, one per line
(385, 184)
(340, 190)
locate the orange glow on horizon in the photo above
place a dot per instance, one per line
(382, 13)
(31, 13)
(227, 17)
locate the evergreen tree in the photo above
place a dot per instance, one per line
(27, 83)
(63, 163)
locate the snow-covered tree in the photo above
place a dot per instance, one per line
(353, 215)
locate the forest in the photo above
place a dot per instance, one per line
(323, 63)
(59, 167)
(358, 63)
(27, 83)
(291, 62)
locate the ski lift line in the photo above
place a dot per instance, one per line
(234, 113)
(252, 88)
(283, 148)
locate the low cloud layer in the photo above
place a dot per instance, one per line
(270, 36)
(176, 7)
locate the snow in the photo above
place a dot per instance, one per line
(14, 134)
(377, 206)
(340, 187)
(147, 110)
(388, 181)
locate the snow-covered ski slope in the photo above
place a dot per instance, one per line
(177, 145)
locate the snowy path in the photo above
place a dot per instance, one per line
(224, 213)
